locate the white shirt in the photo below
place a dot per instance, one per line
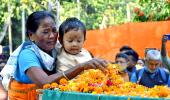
(66, 61)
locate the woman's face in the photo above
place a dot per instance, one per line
(73, 41)
(46, 34)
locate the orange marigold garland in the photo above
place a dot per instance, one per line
(96, 82)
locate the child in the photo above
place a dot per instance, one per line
(122, 60)
(140, 64)
(72, 34)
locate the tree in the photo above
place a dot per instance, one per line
(151, 10)
(94, 13)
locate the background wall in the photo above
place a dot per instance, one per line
(105, 43)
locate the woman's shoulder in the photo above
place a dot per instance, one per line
(27, 57)
(27, 52)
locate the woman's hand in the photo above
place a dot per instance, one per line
(96, 63)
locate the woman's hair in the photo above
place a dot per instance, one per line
(122, 55)
(34, 19)
(71, 24)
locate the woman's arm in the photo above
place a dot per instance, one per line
(39, 77)
(95, 63)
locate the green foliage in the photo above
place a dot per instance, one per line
(94, 13)
(16, 8)
(151, 10)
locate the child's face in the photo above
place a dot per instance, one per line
(73, 41)
(122, 62)
(140, 62)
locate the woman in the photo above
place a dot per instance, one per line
(36, 59)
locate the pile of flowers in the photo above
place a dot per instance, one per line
(110, 82)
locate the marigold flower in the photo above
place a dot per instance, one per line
(98, 90)
(63, 87)
(46, 86)
(63, 81)
(96, 82)
(54, 85)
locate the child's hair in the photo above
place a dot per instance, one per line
(122, 55)
(71, 24)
